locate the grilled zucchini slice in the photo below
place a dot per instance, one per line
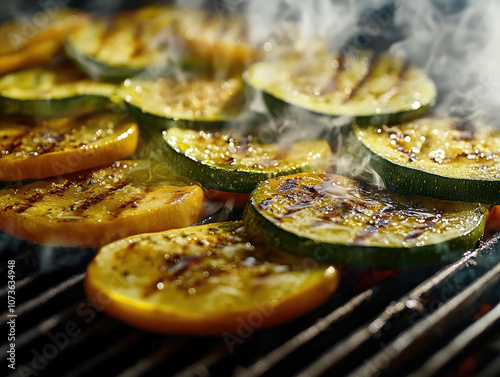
(205, 280)
(117, 46)
(345, 221)
(372, 88)
(214, 41)
(195, 102)
(59, 90)
(443, 158)
(225, 161)
(95, 207)
(30, 41)
(31, 149)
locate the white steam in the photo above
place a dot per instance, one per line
(456, 42)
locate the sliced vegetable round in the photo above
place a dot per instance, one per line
(95, 207)
(195, 102)
(373, 88)
(36, 39)
(46, 148)
(52, 91)
(215, 41)
(334, 218)
(224, 161)
(443, 158)
(120, 45)
(204, 280)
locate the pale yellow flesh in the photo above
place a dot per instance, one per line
(39, 149)
(338, 210)
(353, 85)
(204, 276)
(62, 81)
(198, 99)
(36, 39)
(224, 150)
(91, 208)
(154, 34)
(137, 38)
(443, 146)
(219, 39)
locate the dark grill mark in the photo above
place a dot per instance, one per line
(207, 19)
(298, 193)
(361, 83)
(332, 83)
(108, 33)
(15, 143)
(131, 203)
(466, 128)
(381, 220)
(49, 147)
(298, 196)
(82, 207)
(415, 233)
(402, 74)
(139, 46)
(265, 204)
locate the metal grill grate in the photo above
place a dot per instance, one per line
(415, 322)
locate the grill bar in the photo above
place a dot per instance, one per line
(398, 314)
(165, 352)
(35, 303)
(422, 333)
(350, 327)
(460, 343)
(279, 354)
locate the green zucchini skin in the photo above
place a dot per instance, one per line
(75, 105)
(235, 180)
(365, 86)
(95, 68)
(408, 181)
(151, 123)
(459, 183)
(350, 223)
(373, 257)
(53, 91)
(281, 109)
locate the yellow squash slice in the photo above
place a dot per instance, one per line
(205, 280)
(36, 39)
(32, 149)
(93, 208)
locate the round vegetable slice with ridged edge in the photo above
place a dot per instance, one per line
(443, 158)
(196, 102)
(342, 220)
(205, 280)
(33, 149)
(215, 41)
(57, 90)
(37, 39)
(371, 87)
(120, 45)
(95, 207)
(226, 161)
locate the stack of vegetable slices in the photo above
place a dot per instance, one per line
(69, 125)
(63, 128)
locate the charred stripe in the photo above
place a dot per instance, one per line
(139, 46)
(106, 35)
(361, 83)
(82, 207)
(15, 143)
(332, 83)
